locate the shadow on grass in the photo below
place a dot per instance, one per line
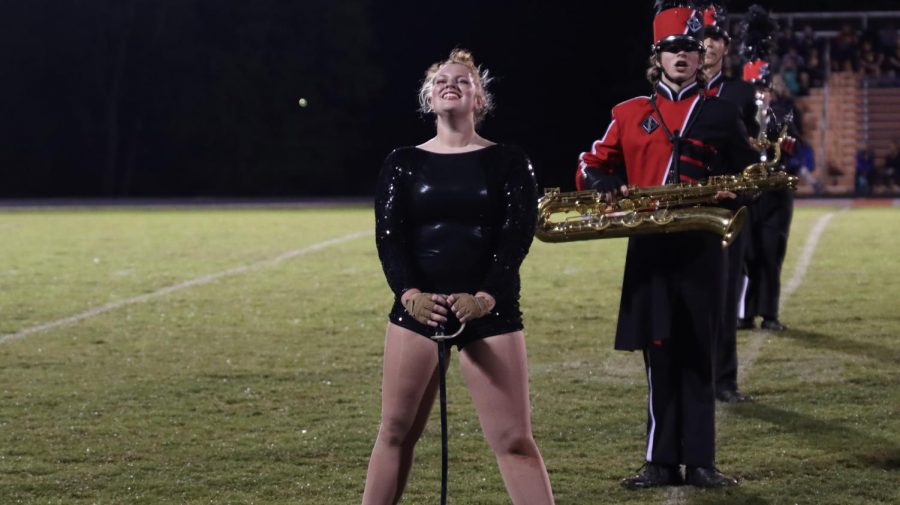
(865, 450)
(888, 355)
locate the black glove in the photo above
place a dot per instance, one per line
(603, 183)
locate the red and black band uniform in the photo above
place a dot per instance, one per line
(743, 95)
(769, 226)
(673, 287)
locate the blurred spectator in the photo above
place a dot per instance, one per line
(835, 172)
(790, 74)
(870, 60)
(803, 162)
(808, 42)
(843, 50)
(887, 37)
(892, 165)
(892, 63)
(865, 169)
(879, 181)
(786, 40)
(799, 59)
(815, 69)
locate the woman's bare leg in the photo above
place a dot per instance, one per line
(409, 385)
(496, 371)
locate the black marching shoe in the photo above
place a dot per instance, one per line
(745, 324)
(732, 396)
(653, 475)
(707, 477)
(772, 325)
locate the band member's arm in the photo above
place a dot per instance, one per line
(519, 219)
(738, 154)
(741, 152)
(602, 168)
(391, 225)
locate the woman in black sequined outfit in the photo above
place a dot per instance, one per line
(455, 217)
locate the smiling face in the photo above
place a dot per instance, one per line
(455, 90)
(680, 68)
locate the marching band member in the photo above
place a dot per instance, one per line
(673, 286)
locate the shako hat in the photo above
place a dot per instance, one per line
(677, 24)
(715, 22)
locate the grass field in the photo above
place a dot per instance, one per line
(259, 383)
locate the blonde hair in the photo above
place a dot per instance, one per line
(480, 76)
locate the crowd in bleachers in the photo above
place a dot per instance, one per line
(800, 57)
(804, 59)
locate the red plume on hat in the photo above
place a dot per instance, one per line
(676, 21)
(715, 21)
(756, 71)
(758, 41)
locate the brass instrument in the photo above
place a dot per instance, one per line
(670, 208)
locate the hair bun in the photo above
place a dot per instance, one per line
(463, 56)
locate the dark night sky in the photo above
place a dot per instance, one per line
(199, 98)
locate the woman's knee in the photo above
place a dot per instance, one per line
(397, 432)
(516, 442)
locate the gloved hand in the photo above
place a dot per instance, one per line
(468, 307)
(426, 308)
(605, 184)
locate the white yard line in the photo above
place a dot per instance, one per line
(758, 337)
(748, 356)
(206, 279)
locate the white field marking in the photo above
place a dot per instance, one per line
(206, 279)
(677, 496)
(758, 337)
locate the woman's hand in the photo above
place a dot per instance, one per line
(426, 308)
(469, 307)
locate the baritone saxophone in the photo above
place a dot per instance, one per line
(670, 208)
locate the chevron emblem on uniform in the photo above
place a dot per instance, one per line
(649, 124)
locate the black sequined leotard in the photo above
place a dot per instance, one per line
(449, 223)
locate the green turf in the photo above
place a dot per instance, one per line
(263, 387)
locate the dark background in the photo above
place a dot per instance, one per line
(154, 98)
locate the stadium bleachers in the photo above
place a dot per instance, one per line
(845, 116)
(832, 128)
(846, 105)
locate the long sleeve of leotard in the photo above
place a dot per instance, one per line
(391, 230)
(519, 218)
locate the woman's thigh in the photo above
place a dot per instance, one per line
(408, 377)
(496, 372)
